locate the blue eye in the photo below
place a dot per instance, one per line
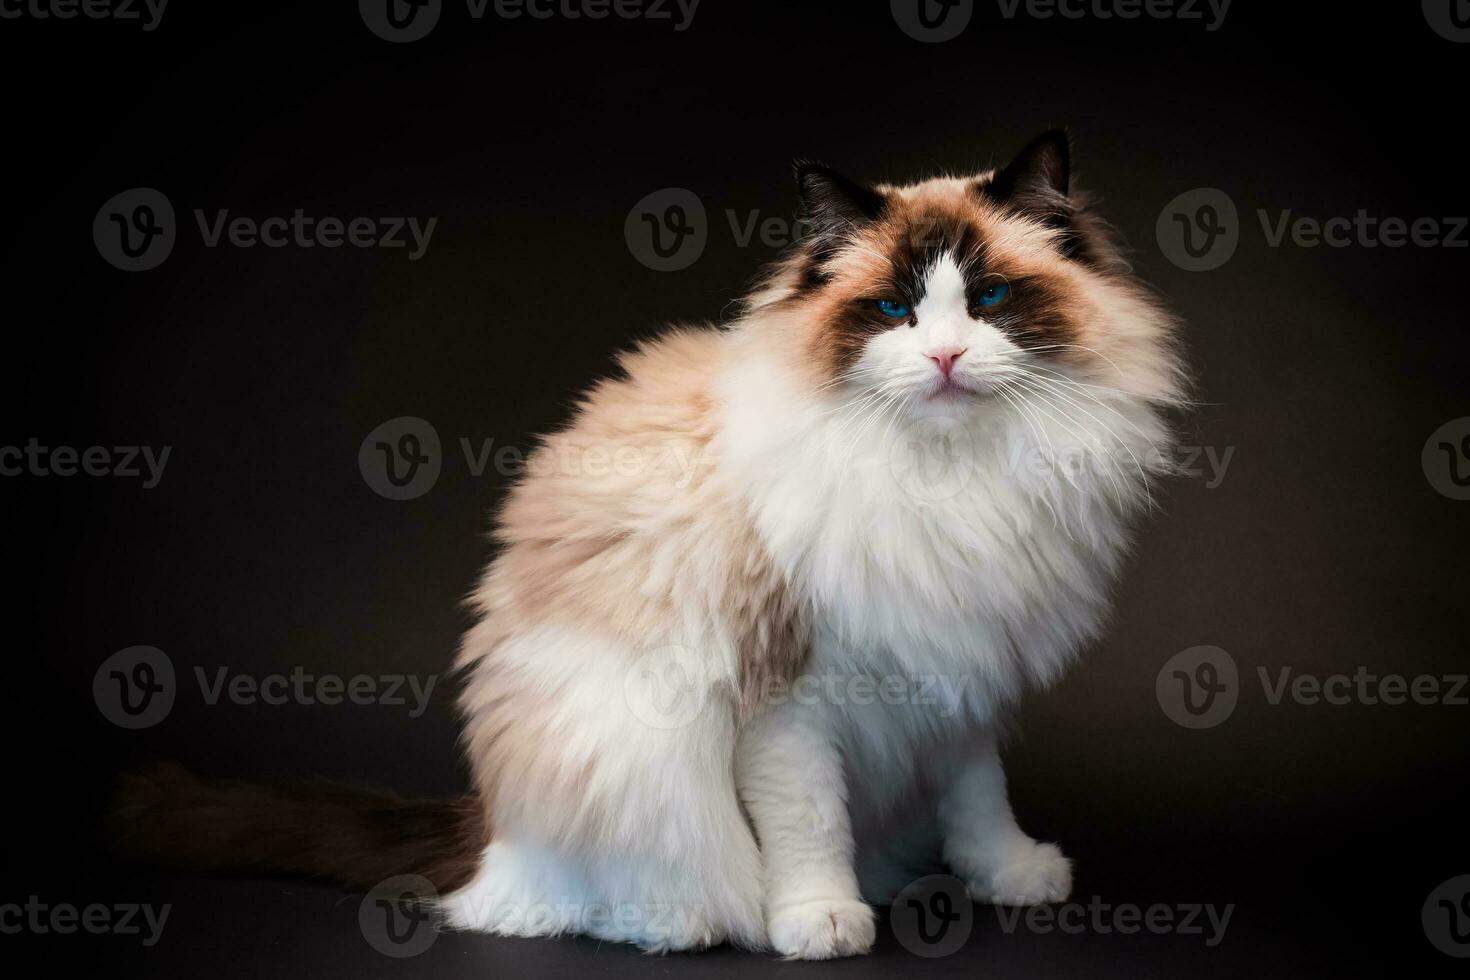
(893, 308)
(995, 294)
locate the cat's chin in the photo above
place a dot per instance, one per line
(958, 394)
(953, 391)
(964, 407)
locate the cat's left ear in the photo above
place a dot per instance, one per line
(833, 205)
(1037, 182)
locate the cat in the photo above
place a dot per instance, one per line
(759, 611)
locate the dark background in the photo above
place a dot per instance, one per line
(263, 549)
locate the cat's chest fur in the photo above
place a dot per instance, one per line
(963, 570)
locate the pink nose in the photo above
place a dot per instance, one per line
(945, 357)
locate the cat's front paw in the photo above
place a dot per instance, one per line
(822, 930)
(1038, 874)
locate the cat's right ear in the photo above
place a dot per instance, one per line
(833, 205)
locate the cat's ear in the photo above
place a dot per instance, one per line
(1037, 182)
(831, 204)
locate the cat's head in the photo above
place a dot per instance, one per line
(952, 292)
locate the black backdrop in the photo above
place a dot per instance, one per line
(1326, 547)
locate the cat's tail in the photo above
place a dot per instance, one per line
(355, 837)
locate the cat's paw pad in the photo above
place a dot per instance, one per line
(822, 930)
(1038, 875)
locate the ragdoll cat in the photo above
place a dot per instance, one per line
(743, 677)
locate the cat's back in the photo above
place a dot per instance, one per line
(636, 449)
(624, 524)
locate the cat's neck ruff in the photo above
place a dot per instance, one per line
(955, 535)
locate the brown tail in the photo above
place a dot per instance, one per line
(344, 834)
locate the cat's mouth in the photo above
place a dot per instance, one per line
(955, 388)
